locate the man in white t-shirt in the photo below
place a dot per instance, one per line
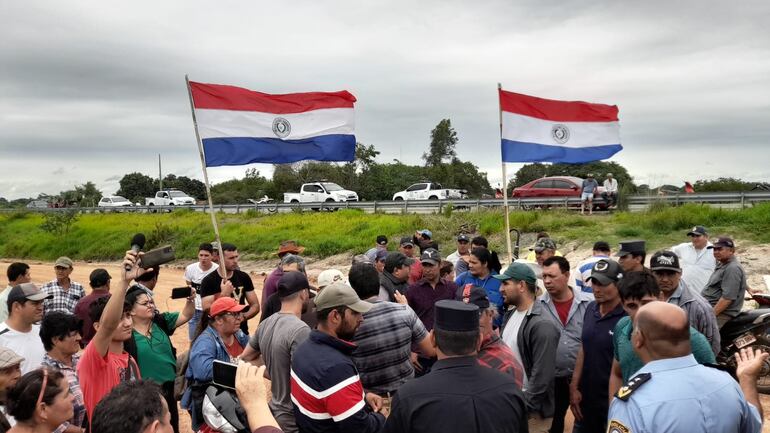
(193, 275)
(20, 332)
(696, 258)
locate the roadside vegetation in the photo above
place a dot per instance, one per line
(106, 236)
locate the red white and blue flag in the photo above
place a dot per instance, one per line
(240, 126)
(545, 130)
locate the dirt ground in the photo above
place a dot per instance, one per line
(756, 260)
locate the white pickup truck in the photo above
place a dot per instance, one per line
(319, 192)
(429, 191)
(170, 197)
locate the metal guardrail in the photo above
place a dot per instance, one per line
(737, 199)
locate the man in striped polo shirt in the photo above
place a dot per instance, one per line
(385, 337)
(325, 387)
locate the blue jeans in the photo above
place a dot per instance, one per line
(193, 324)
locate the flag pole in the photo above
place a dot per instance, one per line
(222, 270)
(505, 183)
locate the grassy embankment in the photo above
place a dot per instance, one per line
(105, 237)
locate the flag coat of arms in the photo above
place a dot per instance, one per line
(240, 126)
(546, 130)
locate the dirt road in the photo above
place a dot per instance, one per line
(171, 277)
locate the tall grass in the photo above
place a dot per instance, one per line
(107, 236)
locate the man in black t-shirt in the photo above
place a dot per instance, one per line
(237, 285)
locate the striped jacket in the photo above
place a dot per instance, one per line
(326, 390)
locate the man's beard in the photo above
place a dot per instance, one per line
(345, 333)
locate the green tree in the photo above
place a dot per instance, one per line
(193, 187)
(723, 184)
(137, 186)
(234, 191)
(365, 156)
(443, 140)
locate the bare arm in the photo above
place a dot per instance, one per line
(575, 397)
(113, 311)
(721, 306)
(250, 354)
(253, 310)
(189, 310)
(426, 349)
(252, 393)
(616, 379)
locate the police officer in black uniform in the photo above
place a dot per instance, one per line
(458, 395)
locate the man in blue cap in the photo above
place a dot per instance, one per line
(458, 395)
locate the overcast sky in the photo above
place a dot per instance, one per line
(90, 91)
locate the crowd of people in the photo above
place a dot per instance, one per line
(406, 341)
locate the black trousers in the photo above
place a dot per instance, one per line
(561, 403)
(167, 389)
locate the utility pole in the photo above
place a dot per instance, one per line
(160, 175)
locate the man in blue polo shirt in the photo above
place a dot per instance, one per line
(592, 368)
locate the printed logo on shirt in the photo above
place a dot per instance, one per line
(617, 427)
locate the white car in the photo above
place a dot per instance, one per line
(114, 201)
(318, 192)
(429, 191)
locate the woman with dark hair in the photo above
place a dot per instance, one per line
(482, 265)
(40, 402)
(152, 346)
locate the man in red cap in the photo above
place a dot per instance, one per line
(221, 339)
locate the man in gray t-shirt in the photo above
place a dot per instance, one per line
(587, 193)
(727, 285)
(276, 340)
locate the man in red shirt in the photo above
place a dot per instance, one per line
(493, 353)
(566, 308)
(104, 364)
(100, 285)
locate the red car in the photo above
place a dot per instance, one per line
(557, 186)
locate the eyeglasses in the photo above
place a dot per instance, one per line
(234, 315)
(42, 388)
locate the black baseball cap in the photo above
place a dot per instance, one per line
(27, 292)
(606, 272)
(406, 240)
(456, 316)
(665, 261)
(397, 259)
(475, 295)
(291, 283)
(463, 237)
(722, 242)
(698, 231)
(430, 256)
(601, 246)
(382, 240)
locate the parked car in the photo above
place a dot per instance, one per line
(38, 204)
(557, 186)
(429, 191)
(114, 201)
(319, 192)
(170, 197)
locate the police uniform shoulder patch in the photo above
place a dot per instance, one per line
(616, 426)
(625, 391)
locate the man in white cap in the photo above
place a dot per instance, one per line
(21, 332)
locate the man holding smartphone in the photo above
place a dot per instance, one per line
(194, 275)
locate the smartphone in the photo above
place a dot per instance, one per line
(158, 256)
(181, 292)
(224, 374)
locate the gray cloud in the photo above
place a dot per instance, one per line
(92, 92)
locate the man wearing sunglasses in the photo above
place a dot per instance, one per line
(727, 285)
(673, 289)
(697, 260)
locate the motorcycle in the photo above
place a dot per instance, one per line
(222, 412)
(748, 329)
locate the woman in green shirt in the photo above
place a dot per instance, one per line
(154, 352)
